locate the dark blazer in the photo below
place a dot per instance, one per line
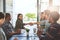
(19, 24)
(54, 31)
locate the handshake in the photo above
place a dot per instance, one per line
(32, 23)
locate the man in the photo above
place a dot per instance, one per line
(54, 29)
(53, 32)
(8, 28)
(2, 34)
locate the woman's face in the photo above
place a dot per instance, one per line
(46, 17)
(21, 17)
(42, 16)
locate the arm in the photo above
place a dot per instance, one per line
(28, 23)
(31, 23)
(52, 32)
(49, 35)
(1, 36)
(36, 22)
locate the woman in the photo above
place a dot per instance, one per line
(19, 22)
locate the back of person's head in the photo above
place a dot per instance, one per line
(1, 15)
(54, 15)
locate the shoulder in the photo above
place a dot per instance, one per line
(5, 25)
(18, 21)
(56, 26)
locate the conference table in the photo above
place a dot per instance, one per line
(23, 35)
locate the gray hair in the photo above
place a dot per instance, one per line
(54, 15)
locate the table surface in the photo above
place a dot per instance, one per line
(23, 35)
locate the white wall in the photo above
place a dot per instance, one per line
(23, 6)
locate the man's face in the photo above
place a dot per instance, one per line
(2, 21)
(10, 18)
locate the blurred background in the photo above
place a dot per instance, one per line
(30, 9)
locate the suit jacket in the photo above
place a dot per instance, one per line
(2, 35)
(54, 31)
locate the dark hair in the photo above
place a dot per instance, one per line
(7, 15)
(1, 15)
(18, 16)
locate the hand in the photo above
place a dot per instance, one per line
(39, 32)
(38, 23)
(18, 31)
(31, 23)
(15, 39)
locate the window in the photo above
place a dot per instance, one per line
(1, 5)
(26, 7)
(44, 4)
(56, 3)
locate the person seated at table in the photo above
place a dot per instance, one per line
(19, 22)
(44, 19)
(44, 24)
(43, 16)
(2, 34)
(53, 33)
(8, 28)
(47, 24)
